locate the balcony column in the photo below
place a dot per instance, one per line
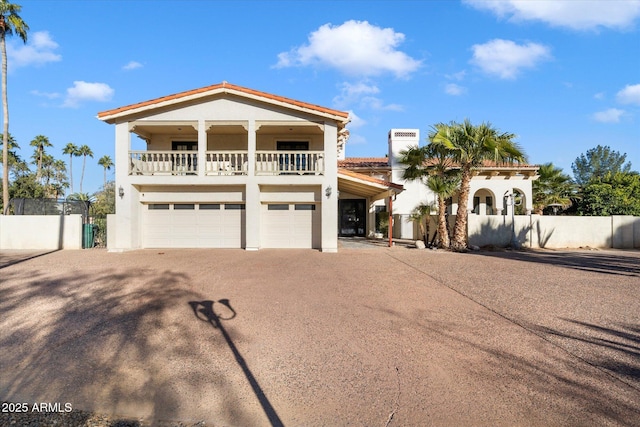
(202, 148)
(252, 194)
(329, 190)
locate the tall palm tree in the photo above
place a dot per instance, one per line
(39, 142)
(84, 151)
(72, 150)
(433, 165)
(552, 188)
(10, 23)
(470, 146)
(107, 164)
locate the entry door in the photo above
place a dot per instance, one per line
(353, 214)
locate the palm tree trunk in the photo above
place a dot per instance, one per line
(459, 240)
(443, 230)
(71, 171)
(5, 135)
(39, 171)
(84, 161)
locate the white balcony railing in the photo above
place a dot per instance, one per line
(163, 162)
(227, 163)
(289, 162)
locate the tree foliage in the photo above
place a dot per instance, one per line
(614, 194)
(433, 165)
(553, 187)
(470, 146)
(596, 163)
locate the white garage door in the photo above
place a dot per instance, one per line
(192, 225)
(290, 225)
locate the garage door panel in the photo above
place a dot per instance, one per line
(289, 228)
(192, 228)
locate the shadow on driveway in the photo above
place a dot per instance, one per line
(625, 263)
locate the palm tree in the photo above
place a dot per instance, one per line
(72, 150)
(470, 146)
(10, 23)
(107, 164)
(84, 151)
(12, 156)
(552, 188)
(39, 142)
(433, 165)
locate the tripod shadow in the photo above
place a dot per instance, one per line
(204, 310)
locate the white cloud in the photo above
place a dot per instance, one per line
(454, 89)
(574, 14)
(132, 65)
(460, 75)
(39, 50)
(352, 93)
(362, 94)
(49, 95)
(355, 122)
(629, 95)
(505, 58)
(355, 48)
(374, 103)
(599, 96)
(86, 91)
(612, 115)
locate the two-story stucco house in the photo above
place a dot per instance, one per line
(225, 166)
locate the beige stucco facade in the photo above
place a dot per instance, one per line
(221, 149)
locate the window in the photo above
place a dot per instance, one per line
(306, 207)
(489, 202)
(184, 206)
(158, 206)
(209, 206)
(278, 207)
(476, 205)
(234, 206)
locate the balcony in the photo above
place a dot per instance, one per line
(226, 163)
(163, 162)
(289, 162)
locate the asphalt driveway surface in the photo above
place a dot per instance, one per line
(375, 337)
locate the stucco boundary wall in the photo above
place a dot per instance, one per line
(111, 230)
(555, 232)
(42, 232)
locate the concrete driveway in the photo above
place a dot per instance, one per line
(373, 337)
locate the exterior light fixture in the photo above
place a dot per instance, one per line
(327, 191)
(121, 192)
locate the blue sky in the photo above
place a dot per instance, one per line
(563, 76)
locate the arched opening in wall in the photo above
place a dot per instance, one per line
(484, 202)
(519, 201)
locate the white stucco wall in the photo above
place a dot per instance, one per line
(556, 232)
(47, 232)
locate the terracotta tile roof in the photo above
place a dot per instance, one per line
(222, 87)
(364, 162)
(363, 177)
(383, 162)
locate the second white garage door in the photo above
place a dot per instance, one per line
(193, 225)
(290, 225)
